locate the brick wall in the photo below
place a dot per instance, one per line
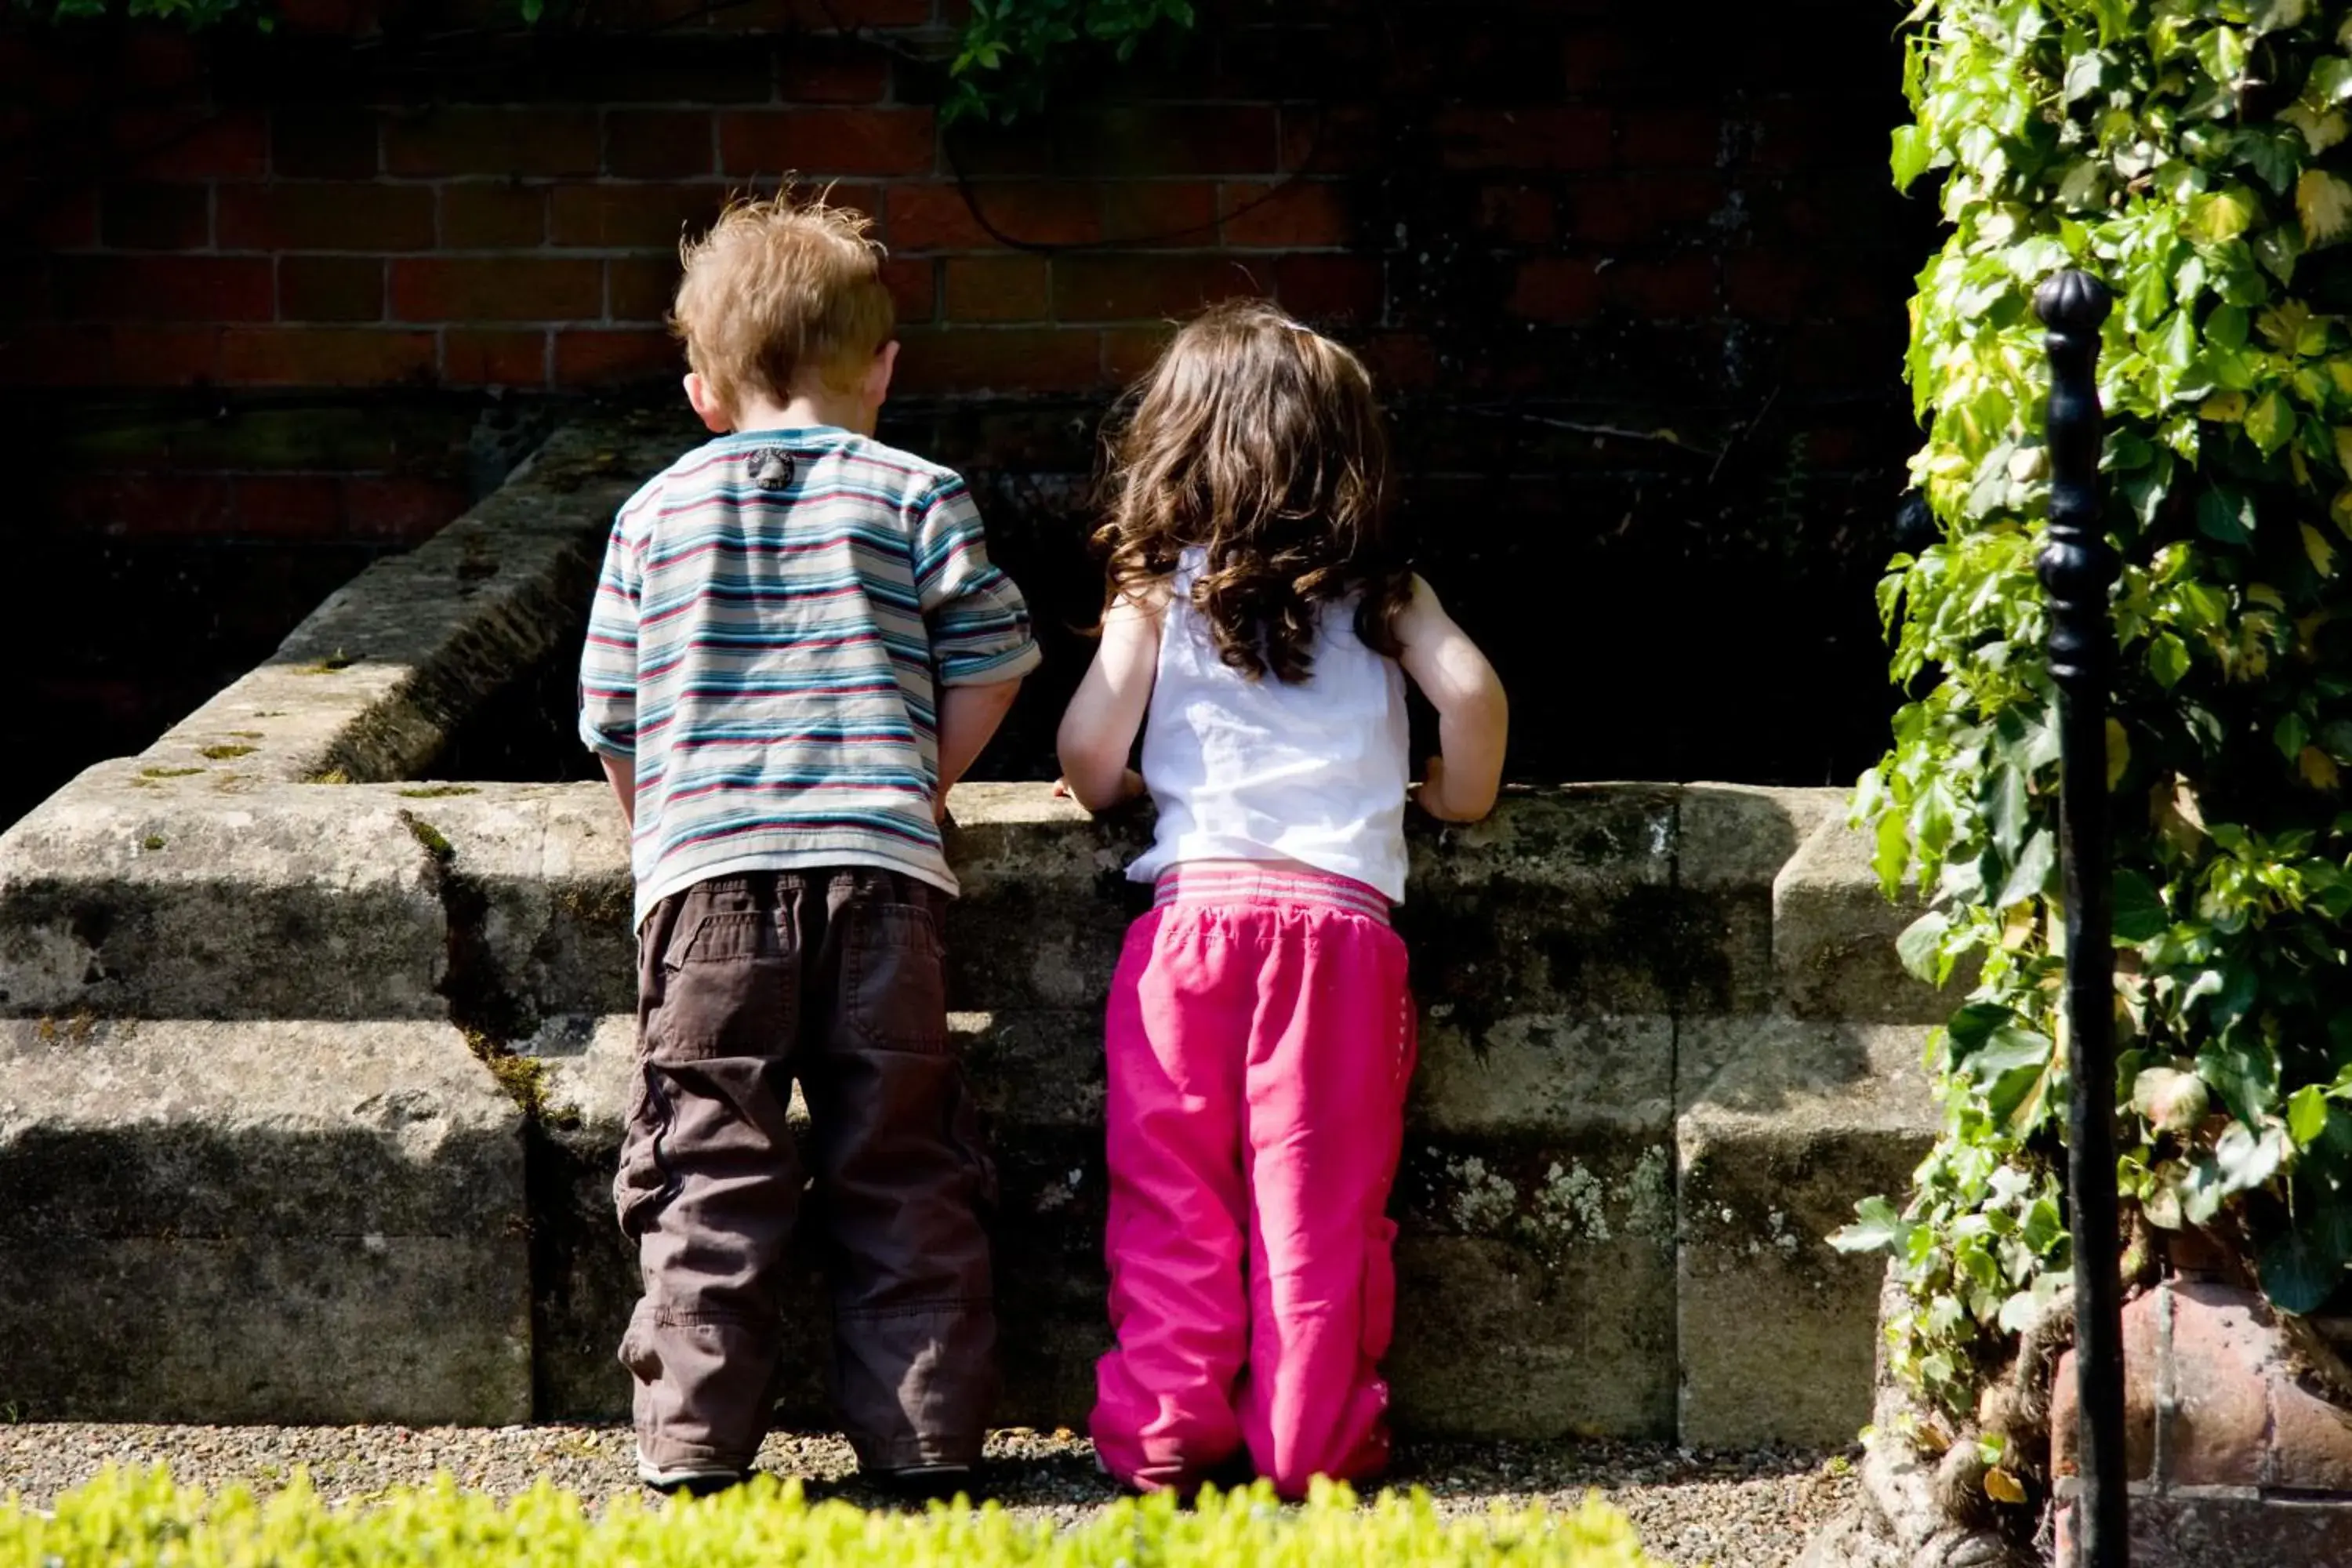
(1634, 284)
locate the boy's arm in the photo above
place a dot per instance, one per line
(621, 773)
(608, 671)
(1098, 730)
(1472, 715)
(981, 643)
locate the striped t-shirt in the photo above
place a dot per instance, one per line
(777, 613)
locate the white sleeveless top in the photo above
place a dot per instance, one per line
(1257, 770)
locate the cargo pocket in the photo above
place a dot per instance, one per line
(728, 989)
(894, 969)
(641, 1183)
(1379, 1288)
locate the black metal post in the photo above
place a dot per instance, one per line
(2077, 568)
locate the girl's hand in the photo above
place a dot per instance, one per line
(1130, 789)
(1432, 794)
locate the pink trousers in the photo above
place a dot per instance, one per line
(1260, 1036)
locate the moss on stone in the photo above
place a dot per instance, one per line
(331, 776)
(421, 792)
(524, 1079)
(338, 660)
(435, 843)
(169, 773)
(224, 752)
(153, 842)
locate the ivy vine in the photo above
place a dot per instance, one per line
(1006, 60)
(2192, 153)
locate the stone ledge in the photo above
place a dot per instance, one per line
(1833, 933)
(260, 1221)
(132, 894)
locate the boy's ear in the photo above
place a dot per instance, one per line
(877, 375)
(705, 406)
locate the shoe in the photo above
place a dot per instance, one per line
(930, 1482)
(694, 1480)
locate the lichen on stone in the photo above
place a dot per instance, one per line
(1485, 1202)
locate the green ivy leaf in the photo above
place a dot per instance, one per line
(2306, 1114)
(2270, 422)
(2167, 659)
(2139, 912)
(1921, 945)
(2226, 515)
(2248, 1157)
(2031, 874)
(1911, 155)
(1876, 1228)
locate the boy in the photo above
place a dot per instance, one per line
(798, 646)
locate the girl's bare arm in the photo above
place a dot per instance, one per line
(1099, 730)
(1472, 715)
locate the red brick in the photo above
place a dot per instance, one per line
(1330, 289)
(401, 508)
(1556, 288)
(1619, 208)
(1160, 215)
(1592, 57)
(325, 215)
(325, 356)
(1550, 137)
(289, 506)
(493, 358)
(1670, 139)
(142, 356)
(1140, 287)
(469, 141)
(2220, 1351)
(938, 217)
(829, 70)
(1401, 361)
(51, 216)
(324, 143)
(495, 216)
(647, 218)
(143, 504)
(811, 15)
(1668, 288)
(659, 143)
(2142, 1354)
(999, 288)
(826, 142)
(1300, 215)
(974, 360)
(588, 357)
(914, 286)
(1210, 138)
(191, 145)
(1329, 140)
(165, 289)
(507, 290)
(2311, 1441)
(1518, 214)
(329, 288)
(1129, 351)
(331, 19)
(158, 217)
(640, 289)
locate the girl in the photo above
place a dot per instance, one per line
(1260, 1030)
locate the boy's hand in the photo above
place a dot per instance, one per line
(1432, 794)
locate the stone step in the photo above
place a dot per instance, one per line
(260, 1221)
(1608, 1227)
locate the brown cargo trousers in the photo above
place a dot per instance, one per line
(833, 977)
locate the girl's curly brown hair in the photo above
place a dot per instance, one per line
(1260, 442)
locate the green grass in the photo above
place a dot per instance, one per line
(135, 1519)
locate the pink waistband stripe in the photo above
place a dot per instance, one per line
(1274, 885)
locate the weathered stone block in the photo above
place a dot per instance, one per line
(1784, 1124)
(259, 1222)
(1833, 933)
(1537, 1254)
(317, 905)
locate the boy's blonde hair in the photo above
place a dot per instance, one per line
(780, 288)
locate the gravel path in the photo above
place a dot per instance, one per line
(1694, 1510)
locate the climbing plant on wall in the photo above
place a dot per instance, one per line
(2197, 154)
(1004, 62)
